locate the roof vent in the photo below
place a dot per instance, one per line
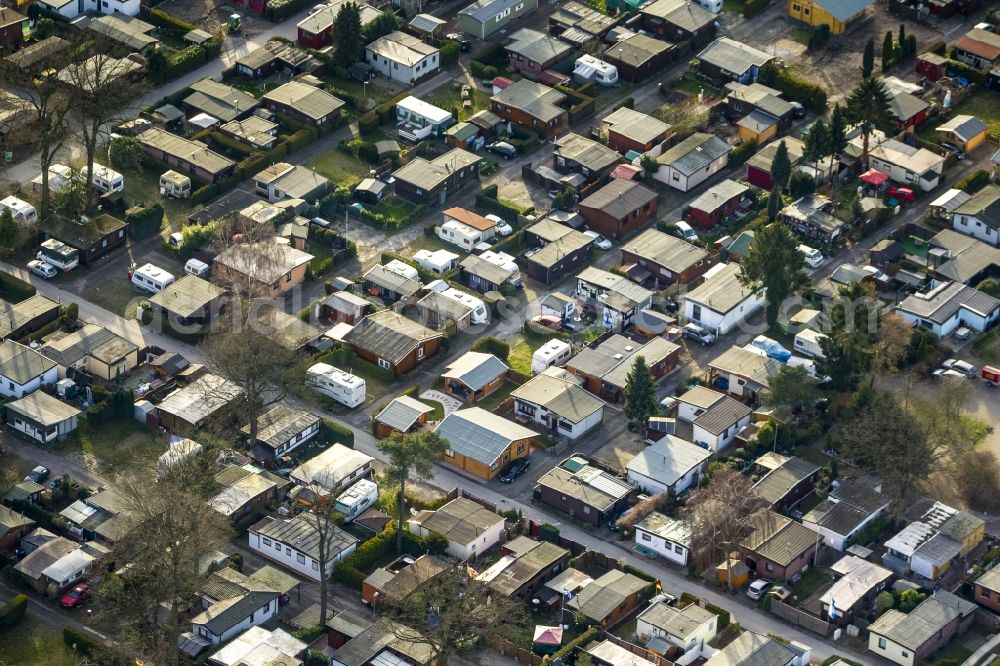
(618, 357)
(629, 348)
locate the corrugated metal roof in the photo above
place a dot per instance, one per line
(476, 369)
(481, 435)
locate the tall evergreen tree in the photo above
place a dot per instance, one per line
(838, 139)
(868, 107)
(774, 204)
(640, 394)
(350, 46)
(902, 40)
(781, 167)
(868, 59)
(774, 262)
(817, 144)
(8, 231)
(887, 51)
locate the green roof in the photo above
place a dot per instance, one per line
(81, 235)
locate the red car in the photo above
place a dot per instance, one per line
(901, 194)
(75, 597)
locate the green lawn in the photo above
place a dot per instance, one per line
(987, 346)
(450, 98)
(118, 297)
(32, 643)
(800, 35)
(734, 6)
(119, 445)
(341, 168)
(144, 186)
(493, 400)
(811, 581)
(520, 357)
(438, 413)
(397, 209)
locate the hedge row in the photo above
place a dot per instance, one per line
(160, 18)
(724, 617)
(337, 433)
(974, 181)
(807, 94)
(144, 222)
(742, 152)
(186, 61)
(386, 111)
(13, 611)
(88, 647)
(581, 640)
(491, 345)
(229, 146)
(14, 288)
(278, 10)
(351, 570)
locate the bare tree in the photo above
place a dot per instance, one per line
(721, 516)
(168, 532)
(643, 508)
(322, 519)
(454, 613)
(102, 89)
(890, 349)
(36, 110)
(259, 364)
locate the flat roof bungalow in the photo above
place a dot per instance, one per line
(784, 485)
(126, 30)
(485, 17)
(948, 305)
(524, 566)
(611, 598)
(620, 208)
(726, 59)
(742, 373)
(717, 203)
(532, 105)
(290, 181)
(191, 407)
(481, 443)
(191, 158)
(628, 129)
(393, 341)
(604, 368)
(470, 527)
(666, 536)
(556, 401)
(670, 465)
(42, 417)
(333, 470)
(282, 429)
(92, 237)
(431, 182)
(639, 56)
(189, 300)
(722, 302)
(402, 57)
(295, 544)
(909, 638)
(692, 161)
(679, 21)
(585, 492)
(531, 52)
(778, 547)
(664, 259)
(94, 349)
(222, 102)
(260, 270)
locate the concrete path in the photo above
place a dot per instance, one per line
(450, 404)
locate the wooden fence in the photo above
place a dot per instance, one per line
(800, 618)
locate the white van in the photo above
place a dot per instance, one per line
(151, 278)
(356, 499)
(552, 353)
(345, 388)
(814, 258)
(105, 179)
(196, 267)
(686, 230)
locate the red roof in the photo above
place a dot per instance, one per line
(874, 177)
(501, 82)
(626, 172)
(548, 635)
(470, 219)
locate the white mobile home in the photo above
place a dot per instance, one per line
(480, 315)
(420, 119)
(342, 386)
(59, 177)
(23, 212)
(438, 261)
(59, 254)
(588, 68)
(152, 278)
(175, 185)
(356, 499)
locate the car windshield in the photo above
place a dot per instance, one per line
(75, 593)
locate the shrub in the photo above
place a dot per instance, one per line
(278, 10)
(590, 634)
(204, 194)
(974, 181)
(801, 184)
(450, 50)
(13, 611)
(491, 345)
(755, 7)
(742, 153)
(548, 532)
(819, 37)
(15, 289)
(335, 432)
(368, 123)
(308, 634)
(88, 647)
(71, 311)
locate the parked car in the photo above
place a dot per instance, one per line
(514, 469)
(42, 268)
(503, 149)
(959, 365)
(75, 597)
(38, 475)
(464, 42)
(758, 588)
(798, 111)
(669, 403)
(901, 193)
(990, 375)
(954, 150)
(600, 241)
(945, 373)
(613, 523)
(503, 227)
(696, 332)
(551, 321)
(814, 258)
(963, 333)
(686, 231)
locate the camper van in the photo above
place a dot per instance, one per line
(808, 342)
(438, 261)
(105, 179)
(345, 388)
(175, 185)
(356, 499)
(60, 255)
(151, 278)
(461, 235)
(22, 211)
(196, 267)
(552, 353)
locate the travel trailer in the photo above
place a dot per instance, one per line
(552, 353)
(58, 254)
(480, 315)
(345, 388)
(175, 185)
(23, 212)
(197, 267)
(588, 68)
(808, 342)
(356, 499)
(152, 278)
(105, 179)
(439, 261)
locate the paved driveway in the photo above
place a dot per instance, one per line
(450, 404)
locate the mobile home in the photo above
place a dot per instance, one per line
(808, 342)
(23, 212)
(588, 68)
(59, 254)
(175, 185)
(356, 499)
(152, 278)
(105, 179)
(480, 315)
(552, 353)
(345, 388)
